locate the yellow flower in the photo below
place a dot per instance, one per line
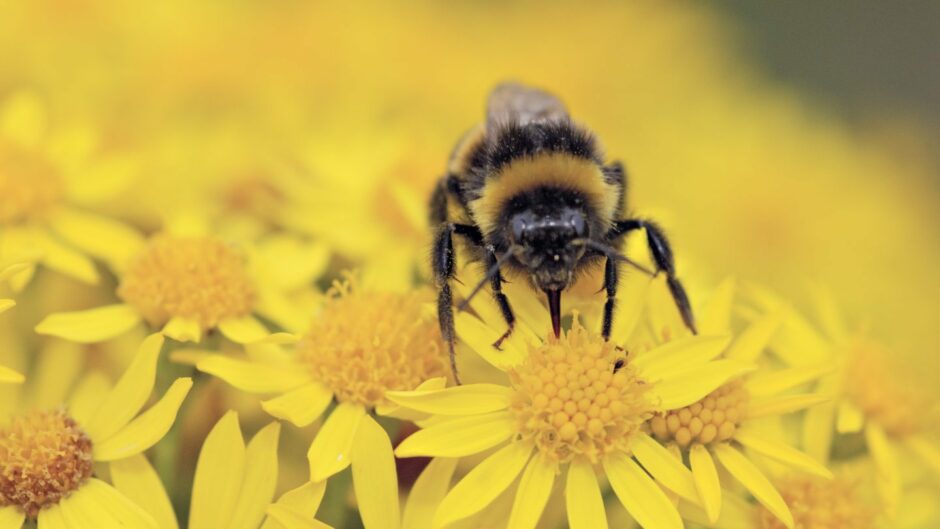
(233, 486)
(363, 344)
(191, 283)
(868, 394)
(577, 404)
(8, 375)
(47, 454)
(47, 182)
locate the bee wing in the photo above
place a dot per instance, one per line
(522, 104)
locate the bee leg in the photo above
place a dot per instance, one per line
(496, 283)
(442, 266)
(611, 277)
(662, 256)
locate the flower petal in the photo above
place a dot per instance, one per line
(252, 376)
(715, 318)
(220, 471)
(260, 479)
(754, 339)
(183, 329)
(107, 499)
(692, 385)
(135, 478)
(849, 419)
(90, 326)
(54, 374)
(679, 355)
(330, 451)
(9, 376)
(469, 399)
(97, 235)
(305, 499)
(926, 451)
(300, 406)
(87, 397)
(481, 337)
(664, 467)
(428, 491)
(246, 329)
(774, 382)
(6, 304)
(53, 518)
(754, 481)
(148, 428)
(131, 392)
(65, 260)
(583, 498)
(886, 463)
(292, 520)
(783, 405)
(532, 495)
(706, 480)
(11, 518)
(640, 495)
(782, 452)
(458, 437)
(374, 477)
(483, 484)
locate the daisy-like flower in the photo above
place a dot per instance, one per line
(363, 344)
(47, 180)
(576, 405)
(48, 454)
(186, 283)
(868, 394)
(233, 486)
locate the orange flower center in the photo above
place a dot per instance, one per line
(29, 186)
(44, 457)
(894, 404)
(367, 343)
(820, 504)
(712, 419)
(200, 278)
(570, 402)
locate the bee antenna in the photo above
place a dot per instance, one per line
(612, 253)
(493, 270)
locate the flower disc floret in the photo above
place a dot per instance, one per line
(571, 400)
(713, 419)
(893, 404)
(200, 278)
(366, 343)
(44, 457)
(820, 504)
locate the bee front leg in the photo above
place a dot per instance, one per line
(496, 284)
(611, 278)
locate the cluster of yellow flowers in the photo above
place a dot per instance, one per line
(221, 225)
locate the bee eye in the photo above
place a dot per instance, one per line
(576, 221)
(518, 228)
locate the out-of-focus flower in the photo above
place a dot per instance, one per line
(7, 375)
(362, 345)
(47, 182)
(233, 487)
(576, 403)
(47, 454)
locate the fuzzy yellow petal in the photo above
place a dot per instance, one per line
(331, 448)
(886, 464)
(782, 452)
(481, 337)
(783, 405)
(106, 499)
(715, 318)
(469, 399)
(9, 376)
(679, 356)
(532, 494)
(63, 259)
(927, 451)
(251, 376)
(183, 329)
(428, 491)
(55, 373)
(640, 495)
(458, 437)
(374, 477)
(24, 118)
(292, 520)
(6, 304)
(87, 397)
(754, 481)
(11, 518)
(260, 479)
(131, 392)
(483, 484)
(692, 385)
(583, 498)
(52, 518)
(300, 406)
(665, 468)
(773, 382)
(97, 235)
(246, 329)
(849, 419)
(148, 428)
(135, 478)
(220, 472)
(90, 326)
(303, 501)
(706, 480)
(755, 338)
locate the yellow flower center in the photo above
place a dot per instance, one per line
(44, 457)
(200, 278)
(869, 384)
(28, 185)
(821, 504)
(712, 419)
(367, 343)
(569, 401)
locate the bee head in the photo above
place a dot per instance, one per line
(546, 242)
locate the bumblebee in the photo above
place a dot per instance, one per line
(530, 195)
